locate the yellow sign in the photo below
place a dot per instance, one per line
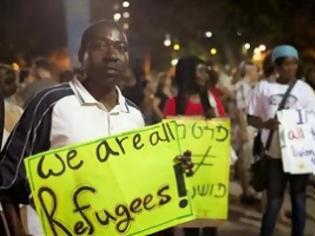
(209, 142)
(121, 185)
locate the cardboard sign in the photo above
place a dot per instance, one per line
(297, 141)
(122, 185)
(129, 184)
(209, 142)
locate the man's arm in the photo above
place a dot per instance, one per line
(258, 123)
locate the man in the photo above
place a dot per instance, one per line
(243, 89)
(72, 112)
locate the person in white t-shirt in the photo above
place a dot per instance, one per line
(261, 114)
(243, 89)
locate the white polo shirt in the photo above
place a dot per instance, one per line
(79, 117)
(60, 115)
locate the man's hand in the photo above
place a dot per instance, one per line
(271, 124)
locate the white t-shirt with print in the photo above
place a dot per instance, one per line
(265, 101)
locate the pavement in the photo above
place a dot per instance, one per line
(245, 220)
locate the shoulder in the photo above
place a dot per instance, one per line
(262, 86)
(49, 97)
(303, 88)
(41, 105)
(302, 83)
(134, 111)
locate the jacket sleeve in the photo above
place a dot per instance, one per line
(30, 136)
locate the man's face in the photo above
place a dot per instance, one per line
(287, 70)
(106, 57)
(252, 73)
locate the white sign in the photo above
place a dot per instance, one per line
(297, 141)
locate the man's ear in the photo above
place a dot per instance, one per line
(83, 58)
(81, 53)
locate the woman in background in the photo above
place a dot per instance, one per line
(191, 78)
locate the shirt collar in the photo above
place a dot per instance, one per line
(86, 98)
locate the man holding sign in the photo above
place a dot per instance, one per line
(268, 97)
(72, 112)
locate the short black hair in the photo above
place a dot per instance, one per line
(279, 61)
(87, 34)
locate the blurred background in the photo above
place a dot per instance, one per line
(159, 31)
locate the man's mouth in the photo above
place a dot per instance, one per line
(111, 70)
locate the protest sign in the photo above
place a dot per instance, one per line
(122, 185)
(297, 141)
(209, 142)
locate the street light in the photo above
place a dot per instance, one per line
(247, 46)
(174, 62)
(213, 51)
(176, 47)
(117, 16)
(256, 51)
(125, 4)
(262, 47)
(167, 42)
(126, 26)
(208, 34)
(126, 14)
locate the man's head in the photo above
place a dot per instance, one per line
(285, 59)
(8, 80)
(249, 71)
(103, 53)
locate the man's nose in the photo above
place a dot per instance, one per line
(111, 53)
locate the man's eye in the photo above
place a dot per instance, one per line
(121, 47)
(98, 45)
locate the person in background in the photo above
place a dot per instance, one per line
(243, 89)
(270, 75)
(191, 78)
(9, 86)
(164, 89)
(66, 76)
(215, 93)
(262, 109)
(41, 78)
(150, 104)
(12, 113)
(134, 82)
(155, 97)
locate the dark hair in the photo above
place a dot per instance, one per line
(185, 80)
(42, 62)
(88, 34)
(24, 73)
(279, 61)
(213, 76)
(161, 77)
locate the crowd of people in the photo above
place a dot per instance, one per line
(41, 110)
